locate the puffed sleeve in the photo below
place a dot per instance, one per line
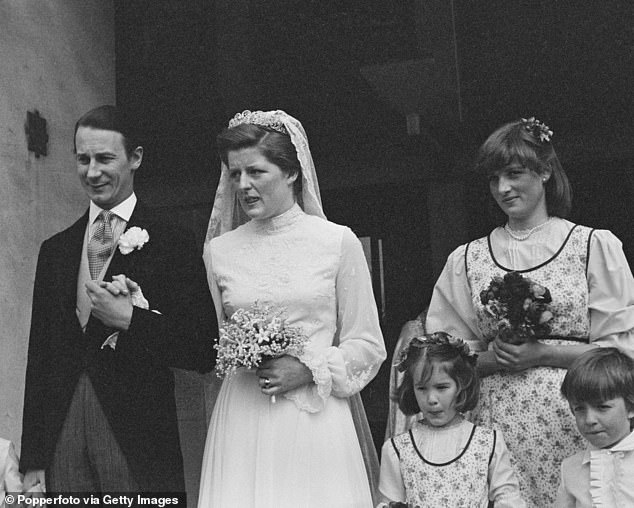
(391, 486)
(610, 293)
(451, 307)
(504, 489)
(349, 365)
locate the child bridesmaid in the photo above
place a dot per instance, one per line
(444, 460)
(599, 386)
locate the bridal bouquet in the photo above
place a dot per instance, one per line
(520, 306)
(251, 335)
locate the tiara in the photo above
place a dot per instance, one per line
(538, 129)
(271, 119)
(435, 339)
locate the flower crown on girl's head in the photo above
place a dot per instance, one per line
(435, 339)
(538, 129)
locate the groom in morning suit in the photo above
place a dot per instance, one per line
(99, 408)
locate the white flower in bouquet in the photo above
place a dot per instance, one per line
(251, 335)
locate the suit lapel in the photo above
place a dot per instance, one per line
(70, 250)
(127, 264)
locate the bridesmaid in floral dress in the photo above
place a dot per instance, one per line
(593, 302)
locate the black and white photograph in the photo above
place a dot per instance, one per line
(308, 254)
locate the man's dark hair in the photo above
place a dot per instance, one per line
(110, 118)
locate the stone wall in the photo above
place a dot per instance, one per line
(57, 58)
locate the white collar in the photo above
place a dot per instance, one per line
(624, 445)
(123, 210)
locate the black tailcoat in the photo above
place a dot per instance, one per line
(133, 383)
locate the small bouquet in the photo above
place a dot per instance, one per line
(251, 335)
(520, 306)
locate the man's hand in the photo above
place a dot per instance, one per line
(114, 311)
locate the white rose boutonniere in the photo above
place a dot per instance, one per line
(133, 238)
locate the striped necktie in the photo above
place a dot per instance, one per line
(100, 244)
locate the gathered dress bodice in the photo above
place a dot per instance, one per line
(564, 274)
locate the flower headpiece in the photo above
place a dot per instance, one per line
(435, 339)
(270, 119)
(538, 129)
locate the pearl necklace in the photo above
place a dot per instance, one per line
(526, 232)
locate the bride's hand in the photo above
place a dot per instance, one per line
(518, 357)
(279, 375)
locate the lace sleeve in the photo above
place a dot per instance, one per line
(211, 382)
(216, 294)
(358, 351)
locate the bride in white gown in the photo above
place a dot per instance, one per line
(270, 242)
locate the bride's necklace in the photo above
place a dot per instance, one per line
(524, 233)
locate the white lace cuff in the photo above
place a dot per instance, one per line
(312, 398)
(138, 300)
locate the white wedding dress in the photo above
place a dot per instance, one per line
(301, 450)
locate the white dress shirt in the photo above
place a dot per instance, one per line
(599, 477)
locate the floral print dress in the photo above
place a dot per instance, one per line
(592, 288)
(456, 483)
(527, 406)
(457, 465)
